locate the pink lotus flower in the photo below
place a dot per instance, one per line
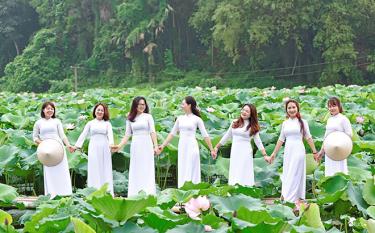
(285, 99)
(360, 119)
(209, 109)
(207, 228)
(195, 206)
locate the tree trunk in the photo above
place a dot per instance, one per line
(16, 46)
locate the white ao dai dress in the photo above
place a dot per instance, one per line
(56, 178)
(189, 167)
(241, 170)
(335, 123)
(142, 165)
(99, 165)
(293, 177)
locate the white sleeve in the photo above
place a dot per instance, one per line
(83, 135)
(151, 124)
(227, 135)
(36, 131)
(60, 129)
(347, 126)
(175, 128)
(202, 128)
(282, 134)
(128, 131)
(258, 141)
(110, 133)
(307, 130)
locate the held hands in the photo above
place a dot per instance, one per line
(318, 156)
(269, 159)
(115, 148)
(214, 153)
(157, 150)
(71, 148)
(160, 149)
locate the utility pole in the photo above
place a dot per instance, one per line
(75, 71)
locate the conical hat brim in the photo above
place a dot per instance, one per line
(50, 152)
(338, 146)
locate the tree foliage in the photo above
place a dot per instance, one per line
(126, 41)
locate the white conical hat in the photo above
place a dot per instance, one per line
(338, 146)
(50, 152)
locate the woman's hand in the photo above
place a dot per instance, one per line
(71, 148)
(156, 150)
(114, 148)
(214, 153)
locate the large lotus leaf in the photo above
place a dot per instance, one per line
(19, 138)
(306, 229)
(16, 121)
(81, 227)
(130, 227)
(77, 161)
(8, 155)
(281, 211)
(247, 190)
(115, 112)
(219, 167)
(39, 222)
(264, 172)
(311, 164)
(245, 222)
(181, 196)
(255, 216)
(317, 129)
(333, 188)
(369, 191)
(206, 188)
(73, 135)
(163, 220)
(191, 227)
(371, 211)
(355, 197)
(70, 116)
(370, 225)
(120, 182)
(225, 205)
(5, 218)
(367, 146)
(121, 209)
(214, 221)
(7, 193)
(311, 216)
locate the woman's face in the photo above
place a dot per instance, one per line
(99, 112)
(245, 112)
(141, 106)
(48, 111)
(186, 107)
(292, 109)
(333, 109)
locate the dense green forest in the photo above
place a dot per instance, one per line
(44, 44)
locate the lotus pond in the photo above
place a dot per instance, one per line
(341, 203)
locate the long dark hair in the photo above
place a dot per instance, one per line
(334, 101)
(46, 104)
(106, 112)
(298, 115)
(253, 125)
(190, 100)
(133, 109)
